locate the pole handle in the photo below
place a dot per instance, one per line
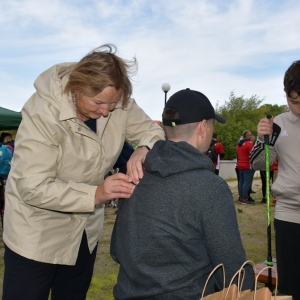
(266, 137)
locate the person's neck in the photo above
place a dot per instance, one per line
(81, 117)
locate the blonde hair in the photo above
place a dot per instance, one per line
(101, 68)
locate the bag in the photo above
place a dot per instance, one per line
(211, 152)
(264, 293)
(233, 292)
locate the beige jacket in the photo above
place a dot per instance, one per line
(58, 164)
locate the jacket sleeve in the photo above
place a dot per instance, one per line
(222, 236)
(220, 149)
(5, 159)
(257, 155)
(34, 168)
(6, 155)
(141, 129)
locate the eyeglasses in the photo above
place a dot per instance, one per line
(111, 105)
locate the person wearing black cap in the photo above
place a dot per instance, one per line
(180, 221)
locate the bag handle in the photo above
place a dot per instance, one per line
(263, 269)
(240, 281)
(209, 276)
(231, 281)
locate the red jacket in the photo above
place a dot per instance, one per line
(274, 166)
(243, 149)
(220, 152)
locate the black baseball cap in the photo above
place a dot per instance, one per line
(192, 106)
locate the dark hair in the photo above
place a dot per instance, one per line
(245, 132)
(101, 68)
(291, 79)
(214, 135)
(170, 113)
(4, 135)
(179, 132)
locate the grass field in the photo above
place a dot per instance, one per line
(252, 223)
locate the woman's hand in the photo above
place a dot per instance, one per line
(115, 186)
(135, 164)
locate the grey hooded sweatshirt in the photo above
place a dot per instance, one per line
(178, 225)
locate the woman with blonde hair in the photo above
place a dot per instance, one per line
(72, 132)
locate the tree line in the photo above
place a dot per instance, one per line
(241, 114)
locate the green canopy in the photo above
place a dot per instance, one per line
(9, 119)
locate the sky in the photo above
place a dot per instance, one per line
(212, 46)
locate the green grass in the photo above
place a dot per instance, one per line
(101, 286)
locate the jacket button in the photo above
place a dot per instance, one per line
(79, 129)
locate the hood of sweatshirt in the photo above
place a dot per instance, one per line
(241, 142)
(51, 83)
(167, 158)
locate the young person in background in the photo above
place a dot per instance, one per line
(284, 145)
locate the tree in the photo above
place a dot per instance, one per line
(241, 114)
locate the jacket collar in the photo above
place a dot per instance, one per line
(293, 117)
(67, 110)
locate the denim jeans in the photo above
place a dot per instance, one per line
(245, 182)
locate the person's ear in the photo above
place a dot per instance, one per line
(201, 128)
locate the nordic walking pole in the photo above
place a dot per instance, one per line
(269, 261)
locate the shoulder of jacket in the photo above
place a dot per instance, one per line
(131, 102)
(38, 106)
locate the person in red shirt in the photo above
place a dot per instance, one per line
(219, 151)
(246, 173)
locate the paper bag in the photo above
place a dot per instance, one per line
(229, 293)
(261, 294)
(233, 291)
